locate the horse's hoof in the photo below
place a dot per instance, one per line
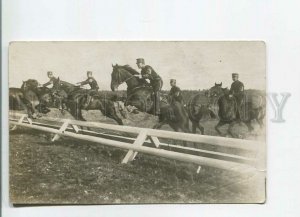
(135, 112)
(240, 136)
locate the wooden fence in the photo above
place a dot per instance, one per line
(148, 141)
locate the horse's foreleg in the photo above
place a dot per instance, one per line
(185, 126)
(80, 115)
(159, 125)
(260, 122)
(248, 124)
(116, 118)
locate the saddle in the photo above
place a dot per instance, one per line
(89, 97)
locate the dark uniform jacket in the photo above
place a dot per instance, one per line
(51, 81)
(152, 75)
(237, 87)
(92, 82)
(237, 90)
(175, 94)
(155, 79)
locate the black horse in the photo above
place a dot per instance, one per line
(30, 97)
(252, 108)
(198, 107)
(139, 94)
(75, 98)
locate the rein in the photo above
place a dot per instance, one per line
(121, 82)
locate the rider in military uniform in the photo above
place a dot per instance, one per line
(237, 90)
(52, 79)
(175, 93)
(148, 72)
(94, 87)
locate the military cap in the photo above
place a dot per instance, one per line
(89, 72)
(173, 80)
(235, 74)
(140, 60)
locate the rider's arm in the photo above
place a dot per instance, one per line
(47, 84)
(177, 91)
(242, 87)
(83, 82)
(147, 73)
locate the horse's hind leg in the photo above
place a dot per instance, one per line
(201, 128)
(217, 127)
(194, 127)
(229, 131)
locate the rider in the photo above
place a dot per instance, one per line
(148, 72)
(94, 87)
(175, 92)
(237, 90)
(53, 80)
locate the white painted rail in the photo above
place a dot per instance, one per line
(257, 163)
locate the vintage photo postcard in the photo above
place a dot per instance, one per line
(137, 122)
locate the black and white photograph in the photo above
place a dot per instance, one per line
(137, 122)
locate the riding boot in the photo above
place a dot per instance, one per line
(156, 103)
(88, 100)
(60, 107)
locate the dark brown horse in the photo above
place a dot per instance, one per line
(198, 107)
(139, 94)
(175, 116)
(252, 108)
(75, 98)
(30, 97)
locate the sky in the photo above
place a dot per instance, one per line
(195, 65)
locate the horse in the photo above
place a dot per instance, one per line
(30, 97)
(75, 98)
(175, 116)
(198, 106)
(139, 94)
(252, 108)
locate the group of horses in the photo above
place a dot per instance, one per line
(214, 102)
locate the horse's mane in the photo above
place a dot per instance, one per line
(130, 69)
(66, 83)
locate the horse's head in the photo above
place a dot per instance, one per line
(121, 74)
(216, 90)
(30, 84)
(56, 84)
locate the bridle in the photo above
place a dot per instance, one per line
(119, 76)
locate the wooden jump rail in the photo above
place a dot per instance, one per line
(70, 128)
